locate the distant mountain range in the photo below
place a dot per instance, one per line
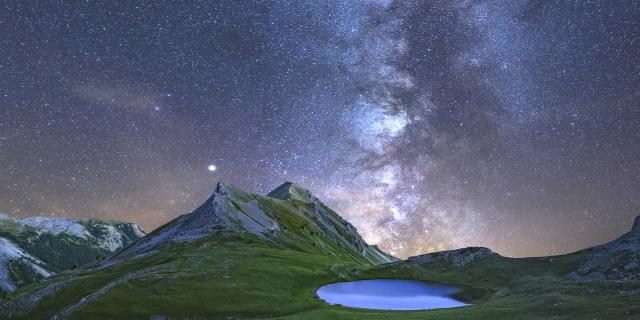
(37, 247)
(241, 255)
(618, 260)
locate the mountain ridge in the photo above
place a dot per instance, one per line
(36, 247)
(617, 260)
(242, 255)
(230, 209)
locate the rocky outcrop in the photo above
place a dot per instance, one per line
(618, 260)
(458, 257)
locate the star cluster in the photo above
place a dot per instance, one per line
(429, 124)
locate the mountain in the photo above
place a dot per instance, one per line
(618, 260)
(246, 256)
(601, 282)
(237, 255)
(298, 220)
(37, 247)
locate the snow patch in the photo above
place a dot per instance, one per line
(138, 231)
(56, 225)
(11, 252)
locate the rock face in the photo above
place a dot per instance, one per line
(36, 247)
(231, 210)
(226, 210)
(618, 260)
(458, 257)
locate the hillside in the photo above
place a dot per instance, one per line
(596, 283)
(37, 247)
(234, 248)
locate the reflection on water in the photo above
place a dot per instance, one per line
(387, 294)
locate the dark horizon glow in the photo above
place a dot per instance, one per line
(430, 125)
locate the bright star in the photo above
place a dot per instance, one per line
(211, 168)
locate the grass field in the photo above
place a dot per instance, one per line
(242, 277)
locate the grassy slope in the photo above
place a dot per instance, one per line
(239, 277)
(503, 288)
(243, 277)
(61, 251)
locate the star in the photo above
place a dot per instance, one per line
(421, 122)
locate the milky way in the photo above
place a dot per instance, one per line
(429, 124)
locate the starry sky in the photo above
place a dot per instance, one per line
(430, 125)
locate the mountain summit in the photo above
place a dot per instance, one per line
(290, 190)
(290, 215)
(227, 209)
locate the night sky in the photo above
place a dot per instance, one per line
(429, 125)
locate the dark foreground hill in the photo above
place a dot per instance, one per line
(245, 256)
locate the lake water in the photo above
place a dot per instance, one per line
(388, 294)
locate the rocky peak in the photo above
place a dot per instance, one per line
(290, 190)
(223, 188)
(228, 209)
(636, 225)
(282, 192)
